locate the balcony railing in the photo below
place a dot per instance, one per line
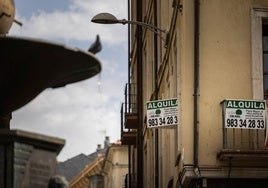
(243, 139)
(242, 143)
(129, 116)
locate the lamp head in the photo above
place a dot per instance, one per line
(105, 18)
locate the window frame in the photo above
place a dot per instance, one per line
(257, 15)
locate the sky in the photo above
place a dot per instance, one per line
(85, 112)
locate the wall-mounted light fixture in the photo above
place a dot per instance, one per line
(107, 18)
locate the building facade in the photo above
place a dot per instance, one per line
(115, 166)
(210, 51)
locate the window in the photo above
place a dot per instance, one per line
(259, 40)
(259, 54)
(265, 57)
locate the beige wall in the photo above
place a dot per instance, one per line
(225, 72)
(225, 67)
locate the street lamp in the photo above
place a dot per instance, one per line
(107, 18)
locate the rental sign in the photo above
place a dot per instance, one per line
(245, 114)
(162, 113)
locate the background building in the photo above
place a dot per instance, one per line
(105, 168)
(115, 166)
(78, 169)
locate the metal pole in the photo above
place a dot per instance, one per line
(129, 94)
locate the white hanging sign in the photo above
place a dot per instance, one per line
(245, 114)
(162, 113)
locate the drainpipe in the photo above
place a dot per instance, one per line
(196, 79)
(139, 98)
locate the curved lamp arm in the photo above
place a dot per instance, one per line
(107, 18)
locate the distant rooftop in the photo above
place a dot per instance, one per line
(73, 166)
